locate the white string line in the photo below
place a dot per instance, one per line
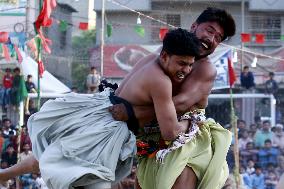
(141, 14)
(149, 17)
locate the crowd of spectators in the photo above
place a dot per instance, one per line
(261, 153)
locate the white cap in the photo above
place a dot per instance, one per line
(279, 125)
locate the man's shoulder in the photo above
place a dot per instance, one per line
(204, 68)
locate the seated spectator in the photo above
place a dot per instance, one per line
(263, 134)
(249, 153)
(245, 178)
(271, 180)
(26, 153)
(28, 181)
(280, 168)
(268, 154)
(25, 138)
(250, 167)
(278, 137)
(257, 179)
(7, 128)
(244, 140)
(247, 79)
(241, 125)
(10, 156)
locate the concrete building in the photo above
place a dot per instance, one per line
(85, 14)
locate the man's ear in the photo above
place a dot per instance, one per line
(163, 56)
(193, 27)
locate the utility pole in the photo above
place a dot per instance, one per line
(27, 18)
(102, 37)
(243, 30)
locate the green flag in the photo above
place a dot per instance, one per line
(63, 26)
(109, 30)
(282, 37)
(139, 30)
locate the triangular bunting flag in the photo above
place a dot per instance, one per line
(83, 25)
(4, 37)
(246, 37)
(282, 37)
(109, 30)
(232, 75)
(259, 38)
(63, 25)
(163, 32)
(139, 30)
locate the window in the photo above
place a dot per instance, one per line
(63, 39)
(270, 26)
(173, 19)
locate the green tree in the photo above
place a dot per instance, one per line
(81, 46)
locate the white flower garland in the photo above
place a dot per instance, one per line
(196, 117)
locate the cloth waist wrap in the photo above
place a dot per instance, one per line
(132, 122)
(78, 143)
(205, 154)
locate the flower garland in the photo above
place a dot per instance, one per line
(161, 148)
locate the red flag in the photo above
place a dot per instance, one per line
(162, 33)
(4, 36)
(83, 25)
(259, 38)
(6, 52)
(232, 75)
(41, 68)
(43, 18)
(20, 58)
(245, 37)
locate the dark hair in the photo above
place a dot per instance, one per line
(267, 141)
(246, 67)
(222, 17)
(266, 121)
(8, 70)
(271, 74)
(17, 69)
(29, 76)
(181, 42)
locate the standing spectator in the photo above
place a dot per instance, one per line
(93, 80)
(263, 134)
(257, 179)
(247, 79)
(271, 85)
(7, 84)
(10, 156)
(31, 88)
(19, 90)
(268, 154)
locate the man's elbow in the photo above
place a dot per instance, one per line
(169, 135)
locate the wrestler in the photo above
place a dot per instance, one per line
(212, 27)
(75, 140)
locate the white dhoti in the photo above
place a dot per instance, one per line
(78, 143)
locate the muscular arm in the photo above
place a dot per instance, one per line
(161, 94)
